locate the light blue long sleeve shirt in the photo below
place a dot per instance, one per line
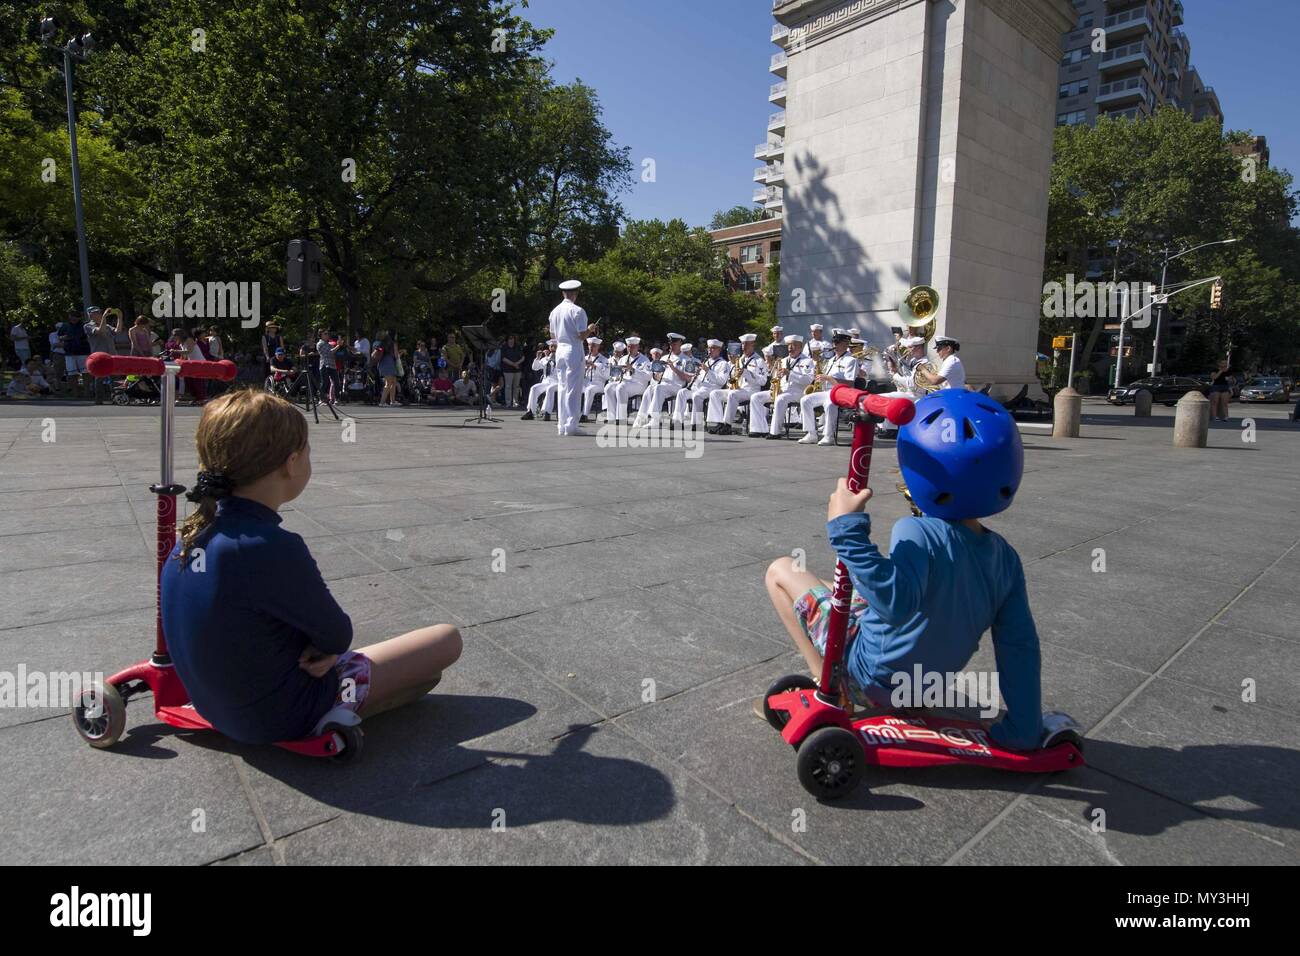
(929, 602)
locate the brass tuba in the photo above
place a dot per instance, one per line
(919, 310)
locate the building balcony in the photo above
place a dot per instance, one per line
(1130, 23)
(778, 64)
(780, 33)
(760, 151)
(776, 94)
(1177, 19)
(1132, 90)
(760, 195)
(776, 148)
(1126, 57)
(776, 122)
(775, 174)
(760, 174)
(775, 202)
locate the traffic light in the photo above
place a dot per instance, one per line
(1216, 294)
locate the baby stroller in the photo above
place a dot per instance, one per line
(417, 384)
(356, 384)
(136, 390)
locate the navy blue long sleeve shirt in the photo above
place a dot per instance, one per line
(238, 620)
(929, 602)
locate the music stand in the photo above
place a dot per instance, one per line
(480, 340)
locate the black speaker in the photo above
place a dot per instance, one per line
(304, 266)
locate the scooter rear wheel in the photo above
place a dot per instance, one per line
(778, 719)
(830, 763)
(101, 726)
(352, 738)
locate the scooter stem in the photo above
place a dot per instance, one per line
(166, 490)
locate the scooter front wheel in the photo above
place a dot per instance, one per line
(99, 715)
(778, 719)
(830, 763)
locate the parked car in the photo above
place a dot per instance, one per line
(1266, 388)
(1165, 390)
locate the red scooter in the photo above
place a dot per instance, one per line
(100, 711)
(817, 719)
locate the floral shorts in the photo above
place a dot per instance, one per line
(354, 680)
(813, 608)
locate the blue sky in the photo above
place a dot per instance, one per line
(685, 83)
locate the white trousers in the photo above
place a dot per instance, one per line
(693, 398)
(758, 410)
(569, 362)
(724, 403)
(589, 396)
(617, 395)
(543, 393)
(654, 399)
(808, 406)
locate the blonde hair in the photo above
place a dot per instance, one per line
(243, 435)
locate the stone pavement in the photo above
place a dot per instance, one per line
(625, 566)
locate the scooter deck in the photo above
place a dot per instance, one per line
(924, 740)
(185, 717)
(917, 739)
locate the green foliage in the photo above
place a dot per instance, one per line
(737, 216)
(1169, 182)
(664, 249)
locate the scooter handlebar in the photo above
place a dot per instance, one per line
(102, 365)
(897, 411)
(224, 370)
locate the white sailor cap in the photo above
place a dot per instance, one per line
(619, 347)
(568, 285)
(633, 340)
(688, 347)
(715, 343)
(594, 340)
(912, 340)
(656, 351)
(854, 332)
(676, 335)
(817, 345)
(778, 328)
(791, 339)
(548, 342)
(941, 340)
(814, 327)
(749, 337)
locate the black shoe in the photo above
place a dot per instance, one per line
(546, 417)
(724, 429)
(526, 417)
(584, 419)
(711, 429)
(758, 434)
(770, 436)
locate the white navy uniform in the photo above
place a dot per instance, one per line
(544, 391)
(569, 329)
(842, 368)
(798, 376)
(658, 394)
(636, 376)
(724, 403)
(953, 372)
(715, 374)
(596, 378)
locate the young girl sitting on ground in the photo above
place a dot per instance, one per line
(255, 635)
(947, 578)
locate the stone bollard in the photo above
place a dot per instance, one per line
(1142, 404)
(1066, 409)
(1192, 421)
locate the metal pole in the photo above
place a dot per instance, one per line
(76, 183)
(1119, 350)
(1074, 344)
(1160, 314)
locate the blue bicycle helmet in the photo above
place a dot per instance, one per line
(961, 455)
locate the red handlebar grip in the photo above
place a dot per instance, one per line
(224, 370)
(102, 365)
(897, 411)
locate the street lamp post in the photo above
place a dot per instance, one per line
(1160, 302)
(75, 49)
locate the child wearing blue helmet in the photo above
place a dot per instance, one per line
(946, 580)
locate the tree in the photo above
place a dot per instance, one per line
(737, 216)
(1169, 182)
(664, 249)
